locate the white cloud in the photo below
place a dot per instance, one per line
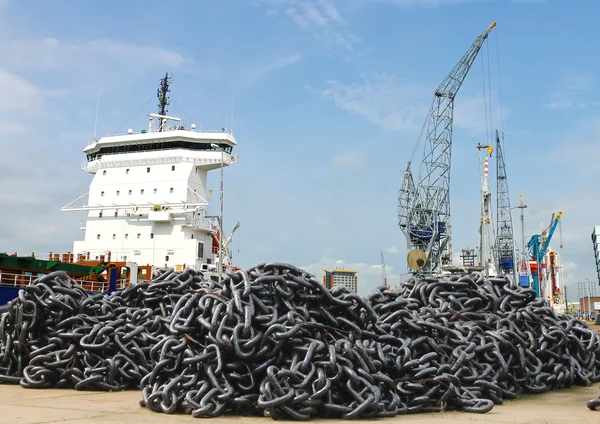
(393, 250)
(392, 103)
(50, 53)
(277, 64)
(349, 160)
(573, 92)
(471, 112)
(18, 93)
(322, 18)
(369, 275)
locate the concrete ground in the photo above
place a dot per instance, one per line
(31, 406)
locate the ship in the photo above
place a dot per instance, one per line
(147, 208)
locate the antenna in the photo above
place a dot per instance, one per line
(96, 120)
(163, 95)
(232, 107)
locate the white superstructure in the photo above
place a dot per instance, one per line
(148, 200)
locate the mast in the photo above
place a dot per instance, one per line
(163, 95)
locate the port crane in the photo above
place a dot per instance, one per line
(486, 232)
(383, 271)
(538, 247)
(505, 245)
(424, 207)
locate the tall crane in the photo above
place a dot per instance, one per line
(424, 208)
(505, 244)
(383, 271)
(486, 224)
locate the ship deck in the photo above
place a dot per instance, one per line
(36, 406)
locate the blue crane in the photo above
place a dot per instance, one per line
(538, 247)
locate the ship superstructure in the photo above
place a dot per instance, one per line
(147, 202)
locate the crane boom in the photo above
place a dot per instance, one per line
(424, 208)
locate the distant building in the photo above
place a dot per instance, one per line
(341, 278)
(595, 241)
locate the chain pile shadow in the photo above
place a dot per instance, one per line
(274, 341)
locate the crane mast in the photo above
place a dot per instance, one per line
(424, 208)
(505, 244)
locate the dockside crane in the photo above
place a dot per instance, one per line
(505, 244)
(424, 207)
(538, 247)
(383, 271)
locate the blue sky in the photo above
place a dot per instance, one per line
(329, 98)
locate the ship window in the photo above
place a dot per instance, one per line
(98, 237)
(167, 258)
(114, 236)
(192, 236)
(130, 192)
(104, 172)
(126, 236)
(127, 171)
(142, 191)
(148, 169)
(100, 214)
(118, 192)
(171, 190)
(173, 168)
(102, 194)
(200, 250)
(139, 235)
(154, 191)
(116, 213)
(151, 235)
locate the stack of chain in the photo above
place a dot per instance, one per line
(274, 341)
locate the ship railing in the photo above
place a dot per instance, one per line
(20, 280)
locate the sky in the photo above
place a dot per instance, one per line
(328, 99)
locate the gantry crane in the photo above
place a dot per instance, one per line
(424, 208)
(505, 245)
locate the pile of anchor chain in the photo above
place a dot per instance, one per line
(55, 334)
(273, 341)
